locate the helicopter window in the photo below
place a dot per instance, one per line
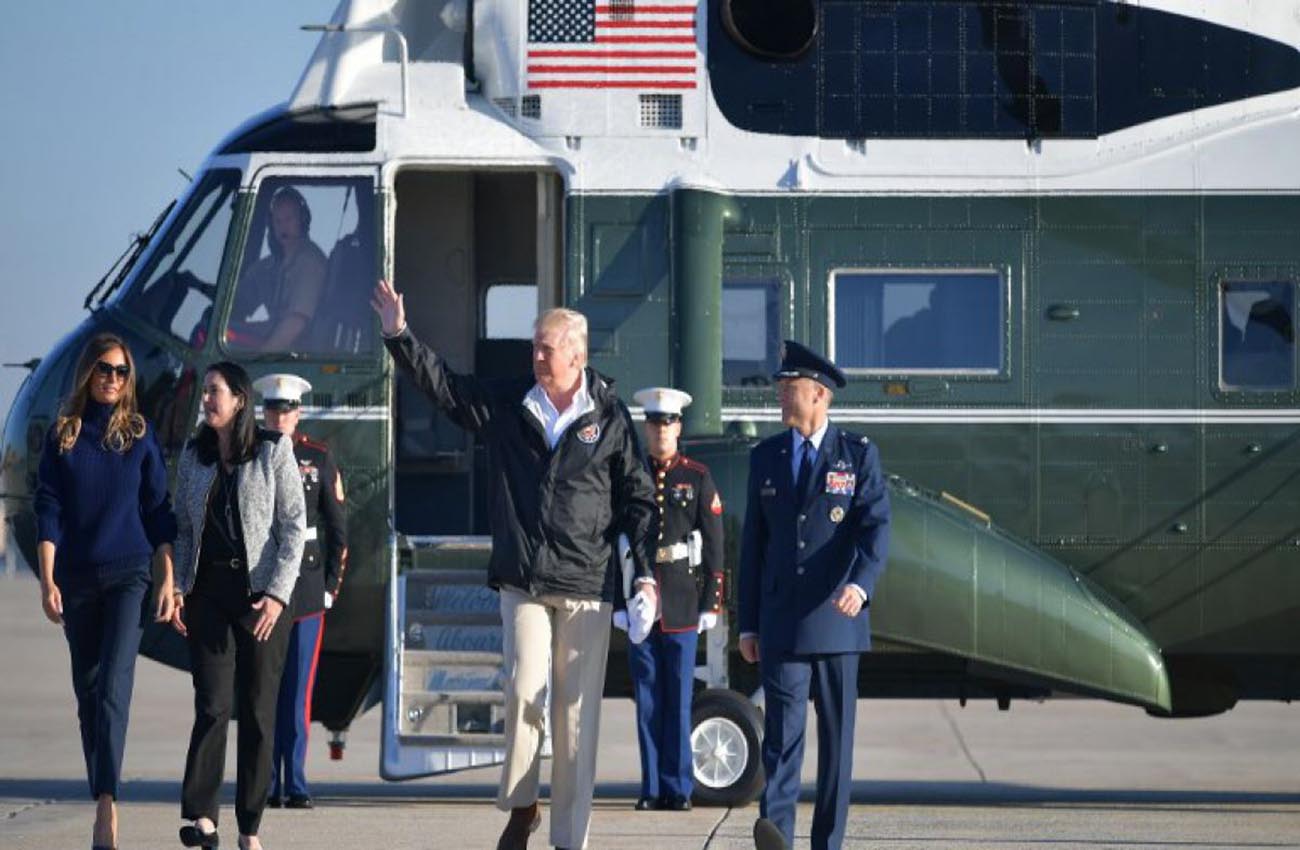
(308, 269)
(930, 320)
(751, 331)
(1257, 335)
(176, 292)
(509, 310)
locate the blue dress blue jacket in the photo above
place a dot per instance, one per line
(799, 549)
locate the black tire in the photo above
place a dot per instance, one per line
(718, 711)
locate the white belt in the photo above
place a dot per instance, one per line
(669, 554)
(311, 534)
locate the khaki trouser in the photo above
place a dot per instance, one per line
(569, 639)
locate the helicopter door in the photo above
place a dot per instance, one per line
(474, 257)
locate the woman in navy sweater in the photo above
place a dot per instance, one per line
(102, 514)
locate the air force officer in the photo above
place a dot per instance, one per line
(814, 543)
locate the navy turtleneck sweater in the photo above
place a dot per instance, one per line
(100, 508)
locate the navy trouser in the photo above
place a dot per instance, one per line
(103, 620)
(787, 681)
(663, 677)
(293, 712)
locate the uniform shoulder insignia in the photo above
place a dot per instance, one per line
(716, 507)
(314, 444)
(693, 465)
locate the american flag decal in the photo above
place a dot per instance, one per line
(611, 44)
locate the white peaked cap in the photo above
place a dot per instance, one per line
(662, 400)
(281, 387)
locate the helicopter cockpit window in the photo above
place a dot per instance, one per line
(751, 331)
(308, 269)
(1257, 335)
(928, 320)
(176, 292)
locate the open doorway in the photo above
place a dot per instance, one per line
(476, 255)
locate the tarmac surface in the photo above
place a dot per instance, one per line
(1060, 774)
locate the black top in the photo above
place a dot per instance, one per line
(223, 534)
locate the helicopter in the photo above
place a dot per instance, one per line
(1054, 244)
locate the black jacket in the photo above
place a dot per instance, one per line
(688, 500)
(325, 554)
(554, 514)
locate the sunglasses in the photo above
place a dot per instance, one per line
(108, 370)
(662, 418)
(279, 405)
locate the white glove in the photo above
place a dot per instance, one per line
(707, 621)
(329, 600)
(640, 617)
(620, 620)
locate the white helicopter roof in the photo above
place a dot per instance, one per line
(526, 110)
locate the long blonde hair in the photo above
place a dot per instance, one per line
(125, 424)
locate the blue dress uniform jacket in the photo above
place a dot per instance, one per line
(799, 549)
(687, 500)
(325, 554)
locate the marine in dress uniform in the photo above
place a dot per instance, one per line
(324, 560)
(690, 593)
(815, 539)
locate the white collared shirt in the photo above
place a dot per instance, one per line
(555, 422)
(799, 439)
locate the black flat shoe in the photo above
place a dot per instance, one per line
(678, 804)
(647, 804)
(192, 836)
(274, 802)
(298, 801)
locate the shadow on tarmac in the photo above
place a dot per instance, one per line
(864, 792)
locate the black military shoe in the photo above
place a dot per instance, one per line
(298, 801)
(678, 804)
(274, 802)
(767, 836)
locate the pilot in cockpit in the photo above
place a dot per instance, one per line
(278, 295)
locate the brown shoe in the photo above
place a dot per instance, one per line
(523, 823)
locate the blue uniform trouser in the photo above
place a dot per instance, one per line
(787, 681)
(293, 711)
(103, 620)
(663, 676)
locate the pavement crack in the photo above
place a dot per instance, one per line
(961, 740)
(708, 841)
(13, 813)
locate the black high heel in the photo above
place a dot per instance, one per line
(192, 836)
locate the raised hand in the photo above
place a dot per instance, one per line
(389, 305)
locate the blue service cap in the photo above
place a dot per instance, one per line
(799, 361)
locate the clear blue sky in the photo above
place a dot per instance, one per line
(100, 104)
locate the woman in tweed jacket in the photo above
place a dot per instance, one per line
(241, 528)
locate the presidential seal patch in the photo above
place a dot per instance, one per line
(589, 433)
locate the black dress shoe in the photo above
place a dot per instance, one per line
(192, 836)
(298, 801)
(274, 802)
(647, 804)
(767, 836)
(678, 804)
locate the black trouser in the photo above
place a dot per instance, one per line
(226, 659)
(103, 620)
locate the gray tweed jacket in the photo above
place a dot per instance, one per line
(271, 509)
